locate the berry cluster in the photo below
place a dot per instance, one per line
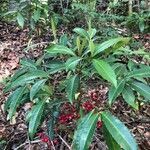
(88, 106)
(71, 114)
(66, 118)
(44, 138)
(93, 94)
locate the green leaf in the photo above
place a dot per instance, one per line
(14, 101)
(72, 62)
(141, 25)
(36, 15)
(50, 128)
(55, 67)
(92, 33)
(28, 63)
(19, 73)
(85, 130)
(142, 89)
(107, 44)
(60, 49)
(72, 87)
(111, 143)
(114, 92)
(105, 70)
(144, 72)
(8, 102)
(21, 80)
(36, 87)
(119, 131)
(34, 122)
(81, 32)
(63, 40)
(129, 97)
(56, 102)
(20, 20)
(91, 46)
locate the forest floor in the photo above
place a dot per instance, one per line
(13, 135)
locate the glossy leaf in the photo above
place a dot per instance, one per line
(50, 128)
(36, 15)
(114, 92)
(25, 79)
(142, 89)
(105, 70)
(107, 44)
(119, 131)
(63, 40)
(60, 49)
(85, 130)
(92, 33)
(34, 122)
(129, 97)
(141, 25)
(111, 143)
(20, 20)
(55, 67)
(28, 63)
(72, 87)
(36, 87)
(144, 72)
(14, 101)
(81, 32)
(72, 63)
(19, 73)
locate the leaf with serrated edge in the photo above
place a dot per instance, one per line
(129, 97)
(36, 87)
(119, 131)
(25, 79)
(36, 118)
(72, 87)
(144, 72)
(60, 49)
(105, 70)
(105, 45)
(111, 143)
(20, 20)
(72, 63)
(81, 32)
(85, 130)
(15, 101)
(114, 92)
(141, 88)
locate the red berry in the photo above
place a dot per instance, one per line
(94, 96)
(55, 141)
(99, 124)
(45, 139)
(88, 106)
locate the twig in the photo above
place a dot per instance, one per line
(53, 145)
(64, 142)
(32, 142)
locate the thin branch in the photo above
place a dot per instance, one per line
(64, 142)
(32, 142)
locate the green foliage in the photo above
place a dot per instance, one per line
(118, 131)
(72, 87)
(35, 118)
(83, 54)
(104, 70)
(140, 21)
(86, 54)
(84, 133)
